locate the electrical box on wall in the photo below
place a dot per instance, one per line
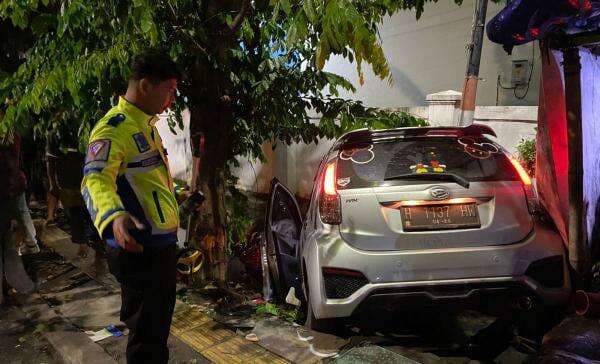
(520, 72)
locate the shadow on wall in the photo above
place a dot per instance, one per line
(308, 157)
(253, 175)
(407, 87)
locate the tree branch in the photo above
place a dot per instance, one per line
(239, 18)
(180, 30)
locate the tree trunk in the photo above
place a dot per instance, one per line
(212, 117)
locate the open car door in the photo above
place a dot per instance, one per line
(283, 225)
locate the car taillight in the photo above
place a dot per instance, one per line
(329, 201)
(530, 195)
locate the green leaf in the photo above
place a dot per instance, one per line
(322, 54)
(286, 6)
(146, 22)
(309, 10)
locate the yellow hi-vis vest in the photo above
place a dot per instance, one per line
(126, 170)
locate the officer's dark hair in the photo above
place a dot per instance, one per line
(154, 66)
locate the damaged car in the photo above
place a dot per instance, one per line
(408, 218)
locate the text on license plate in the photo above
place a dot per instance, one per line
(434, 217)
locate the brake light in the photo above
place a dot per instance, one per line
(521, 171)
(329, 201)
(329, 180)
(530, 195)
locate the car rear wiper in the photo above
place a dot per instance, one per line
(433, 176)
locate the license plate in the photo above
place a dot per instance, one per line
(440, 217)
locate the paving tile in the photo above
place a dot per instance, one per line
(186, 319)
(206, 335)
(76, 347)
(92, 313)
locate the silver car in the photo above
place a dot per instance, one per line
(414, 217)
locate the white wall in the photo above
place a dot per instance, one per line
(178, 147)
(256, 176)
(428, 55)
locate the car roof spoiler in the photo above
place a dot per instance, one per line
(362, 136)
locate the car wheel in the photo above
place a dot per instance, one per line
(327, 326)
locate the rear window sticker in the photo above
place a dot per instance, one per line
(358, 155)
(419, 168)
(98, 150)
(141, 142)
(343, 182)
(437, 167)
(477, 150)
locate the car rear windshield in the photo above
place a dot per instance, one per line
(408, 160)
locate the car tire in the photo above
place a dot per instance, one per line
(327, 326)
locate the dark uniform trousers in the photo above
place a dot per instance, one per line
(147, 299)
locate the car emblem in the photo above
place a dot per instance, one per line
(439, 193)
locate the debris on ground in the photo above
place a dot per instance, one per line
(574, 340)
(291, 297)
(105, 333)
(252, 337)
(372, 354)
(296, 343)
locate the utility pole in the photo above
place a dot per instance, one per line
(467, 105)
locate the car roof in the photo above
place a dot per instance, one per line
(362, 136)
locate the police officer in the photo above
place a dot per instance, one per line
(129, 194)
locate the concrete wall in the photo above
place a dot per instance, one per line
(428, 55)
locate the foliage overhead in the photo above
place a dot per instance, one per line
(254, 68)
(80, 51)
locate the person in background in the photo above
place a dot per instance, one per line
(64, 166)
(51, 202)
(17, 181)
(13, 205)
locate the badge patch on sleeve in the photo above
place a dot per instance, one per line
(98, 151)
(141, 142)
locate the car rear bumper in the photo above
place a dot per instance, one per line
(413, 279)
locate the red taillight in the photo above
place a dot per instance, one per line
(329, 201)
(329, 180)
(521, 171)
(530, 195)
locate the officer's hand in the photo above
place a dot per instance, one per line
(121, 226)
(182, 196)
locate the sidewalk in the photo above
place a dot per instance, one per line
(76, 295)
